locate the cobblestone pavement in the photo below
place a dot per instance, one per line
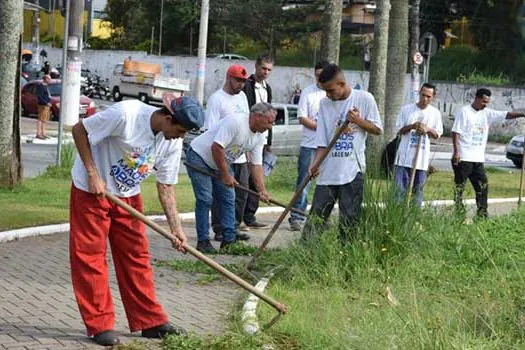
(38, 309)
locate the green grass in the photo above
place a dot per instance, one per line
(452, 286)
(45, 199)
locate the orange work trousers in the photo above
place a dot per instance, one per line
(93, 220)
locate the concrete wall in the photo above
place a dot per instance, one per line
(283, 80)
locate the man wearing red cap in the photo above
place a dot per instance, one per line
(230, 100)
(117, 149)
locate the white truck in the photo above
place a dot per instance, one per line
(144, 83)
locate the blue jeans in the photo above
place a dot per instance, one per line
(402, 180)
(206, 189)
(306, 157)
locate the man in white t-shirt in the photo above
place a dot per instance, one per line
(117, 149)
(230, 100)
(416, 120)
(214, 152)
(341, 175)
(469, 137)
(307, 110)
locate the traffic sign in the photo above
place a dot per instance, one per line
(428, 44)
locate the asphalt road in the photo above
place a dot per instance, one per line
(36, 157)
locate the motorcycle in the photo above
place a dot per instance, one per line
(101, 88)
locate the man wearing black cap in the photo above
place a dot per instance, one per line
(117, 149)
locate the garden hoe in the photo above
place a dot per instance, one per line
(521, 177)
(281, 308)
(245, 189)
(297, 194)
(413, 172)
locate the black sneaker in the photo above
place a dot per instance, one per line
(106, 338)
(242, 236)
(206, 247)
(257, 225)
(225, 245)
(218, 237)
(163, 330)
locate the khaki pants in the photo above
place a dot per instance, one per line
(43, 113)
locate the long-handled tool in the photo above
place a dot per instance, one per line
(414, 169)
(281, 308)
(241, 187)
(521, 177)
(297, 194)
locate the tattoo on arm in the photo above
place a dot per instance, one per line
(169, 204)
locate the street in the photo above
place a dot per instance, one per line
(37, 156)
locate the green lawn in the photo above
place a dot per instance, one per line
(44, 200)
(417, 281)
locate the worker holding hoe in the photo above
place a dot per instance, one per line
(117, 149)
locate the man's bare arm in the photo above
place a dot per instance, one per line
(308, 123)
(168, 201)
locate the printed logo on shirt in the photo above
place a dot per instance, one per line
(414, 138)
(233, 152)
(478, 131)
(131, 170)
(238, 108)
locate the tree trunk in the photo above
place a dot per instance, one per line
(377, 81)
(396, 65)
(11, 19)
(414, 47)
(330, 42)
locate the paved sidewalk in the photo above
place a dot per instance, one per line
(38, 309)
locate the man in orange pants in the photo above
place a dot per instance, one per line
(117, 149)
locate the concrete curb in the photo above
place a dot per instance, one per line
(11, 235)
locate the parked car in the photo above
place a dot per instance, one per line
(30, 100)
(227, 56)
(515, 150)
(286, 131)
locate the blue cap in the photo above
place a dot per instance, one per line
(188, 112)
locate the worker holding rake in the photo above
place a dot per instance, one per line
(117, 149)
(416, 122)
(341, 175)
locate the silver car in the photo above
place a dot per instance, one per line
(515, 150)
(286, 131)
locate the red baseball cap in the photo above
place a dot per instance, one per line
(237, 71)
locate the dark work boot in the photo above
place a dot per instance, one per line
(163, 330)
(106, 338)
(206, 247)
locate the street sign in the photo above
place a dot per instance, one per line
(428, 44)
(417, 58)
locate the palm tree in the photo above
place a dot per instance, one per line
(11, 19)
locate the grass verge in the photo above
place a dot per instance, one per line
(45, 199)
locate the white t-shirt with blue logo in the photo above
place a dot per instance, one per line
(347, 157)
(126, 151)
(235, 136)
(406, 151)
(222, 104)
(308, 107)
(473, 129)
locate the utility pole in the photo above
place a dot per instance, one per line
(35, 32)
(203, 40)
(160, 25)
(152, 38)
(70, 98)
